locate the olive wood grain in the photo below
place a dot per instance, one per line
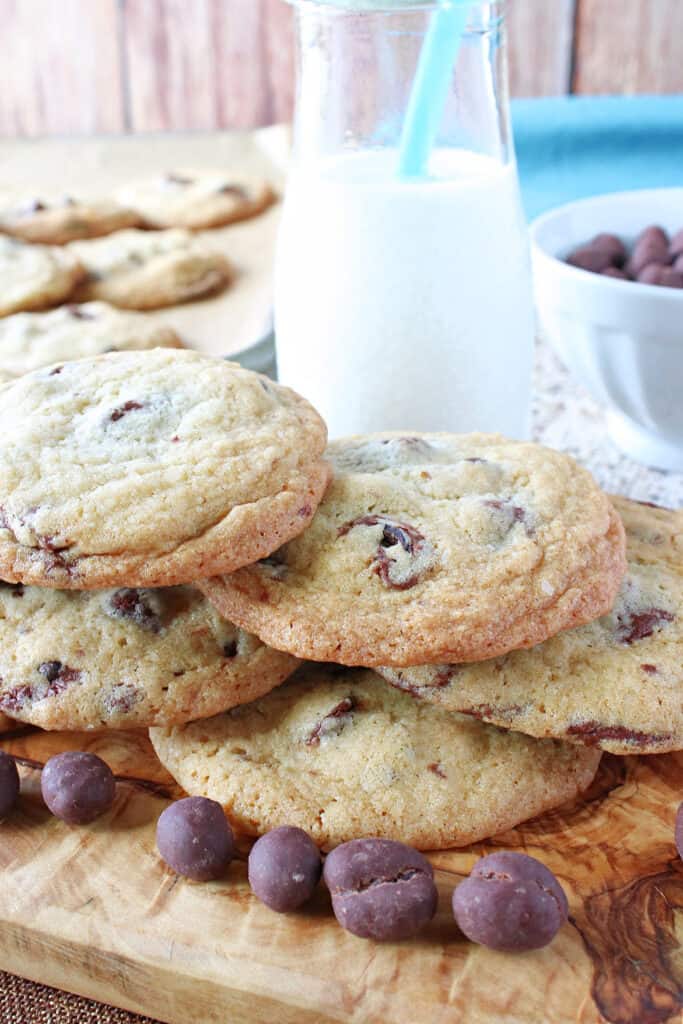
(93, 910)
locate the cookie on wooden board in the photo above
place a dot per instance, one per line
(122, 659)
(197, 199)
(616, 683)
(150, 269)
(435, 547)
(31, 340)
(150, 469)
(342, 755)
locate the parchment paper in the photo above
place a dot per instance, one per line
(241, 316)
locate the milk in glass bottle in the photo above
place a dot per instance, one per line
(403, 294)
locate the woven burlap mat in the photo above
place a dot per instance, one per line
(22, 1002)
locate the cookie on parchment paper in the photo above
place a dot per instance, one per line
(150, 269)
(31, 340)
(197, 199)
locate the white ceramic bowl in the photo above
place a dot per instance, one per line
(623, 340)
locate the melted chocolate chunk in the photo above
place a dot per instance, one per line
(32, 206)
(593, 733)
(57, 678)
(15, 699)
(122, 699)
(639, 625)
(442, 676)
(135, 605)
(178, 179)
(52, 544)
(230, 649)
(651, 504)
(233, 190)
(490, 712)
(333, 722)
(390, 566)
(50, 669)
(274, 565)
(78, 313)
(119, 413)
(55, 671)
(515, 513)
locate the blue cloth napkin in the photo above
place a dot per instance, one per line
(571, 147)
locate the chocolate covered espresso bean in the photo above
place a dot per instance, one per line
(663, 277)
(77, 787)
(381, 889)
(9, 784)
(587, 258)
(195, 839)
(652, 246)
(510, 902)
(284, 868)
(612, 245)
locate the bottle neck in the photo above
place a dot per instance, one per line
(356, 69)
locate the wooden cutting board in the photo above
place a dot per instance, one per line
(93, 910)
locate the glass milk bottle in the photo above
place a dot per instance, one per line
(403, 296)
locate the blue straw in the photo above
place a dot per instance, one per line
(430, 89)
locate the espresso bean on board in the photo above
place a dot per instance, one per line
(9, 784)
(195, 838)
(510, 902)
(77, 787)
(380, 889)
(284, 868)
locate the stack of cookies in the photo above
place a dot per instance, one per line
(124, 478)
(473, 635)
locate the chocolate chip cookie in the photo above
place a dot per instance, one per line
(151, 469)
(466, 545)
(616, 683)
(341, 755)
(120, 659)
(150, 269)
(31, 340)
(197, 199)
(35, 276)
(56, 220)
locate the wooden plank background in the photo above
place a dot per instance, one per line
(83, 66)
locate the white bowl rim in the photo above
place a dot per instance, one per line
(600, 280)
